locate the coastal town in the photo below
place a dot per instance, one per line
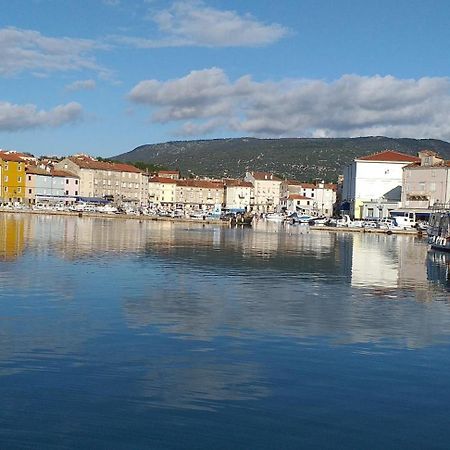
(372, 187)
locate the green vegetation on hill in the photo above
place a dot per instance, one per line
(299, 158)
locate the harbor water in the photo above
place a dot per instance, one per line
(118, 333)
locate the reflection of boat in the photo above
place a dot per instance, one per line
(278, 217)
(438, 267)
(439, 229)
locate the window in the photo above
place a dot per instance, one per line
(67, 192)
(29, 177)
(67, 181)
(76, 192)
(6, 178)
(19, 167)
(19, 190)
(30, 191)
(19, 179)
(76, 181)
(6, 188)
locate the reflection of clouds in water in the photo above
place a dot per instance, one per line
(202, 383)
(197, 306)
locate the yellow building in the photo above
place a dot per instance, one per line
(12, 181)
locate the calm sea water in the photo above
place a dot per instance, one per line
(120, 334)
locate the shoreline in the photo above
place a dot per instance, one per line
(95, 215)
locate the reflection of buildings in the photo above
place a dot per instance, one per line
(388, 263)
(12, 236)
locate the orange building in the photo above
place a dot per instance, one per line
(12, 178)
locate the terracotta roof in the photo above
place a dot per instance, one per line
(262, 176)
(63, 173)
(162, 180)
(13, 157)
(89, 163)
(298, 197)
(201, 184)
(389, 156)
(237, 183)
(33, 170)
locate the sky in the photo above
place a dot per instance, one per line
(104, 76)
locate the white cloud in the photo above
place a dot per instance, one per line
(195, 24)
(19, 117)
(28, 50)
(81, 85)
(207, 100)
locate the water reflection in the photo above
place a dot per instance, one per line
(126, 324)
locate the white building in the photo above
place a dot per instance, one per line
(267, 190)
(238, 194)
(322, 195)
(199, 194)
(298, 203)
(372, 184)
(162, 191)
(427, 182)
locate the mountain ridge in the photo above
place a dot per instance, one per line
(299, 158)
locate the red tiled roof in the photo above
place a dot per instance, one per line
(63, 173)
(262, 176)
(13, 157)
(162, 180)
(298, 197)
(33, 170)
(389, 156)
(201, 184)
(89, 163)
(238, 183)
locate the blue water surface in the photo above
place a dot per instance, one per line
(126, 334)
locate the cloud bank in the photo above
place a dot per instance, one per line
(28, 50)
(21, 117)
(206, 101)
(196, 24)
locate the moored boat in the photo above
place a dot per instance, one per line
(439, 229)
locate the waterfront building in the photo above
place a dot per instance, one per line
(426, 182)
(238, 195)
(298, 203)
(54, 186)
(162, 191)
(71, 182)
(199, 194)
(173, 174)
(267, 191)
(372, 184)
(321, 196)
(101, 179)
(12, 180)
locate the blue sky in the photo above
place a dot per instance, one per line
(103, 76)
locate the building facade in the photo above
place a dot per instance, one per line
(267, 191)
(199, 194)
(100, 179)
(238, 195)
(426, 183)
(162, 191)
(372, 184)
(322, 195)
(12, 180)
